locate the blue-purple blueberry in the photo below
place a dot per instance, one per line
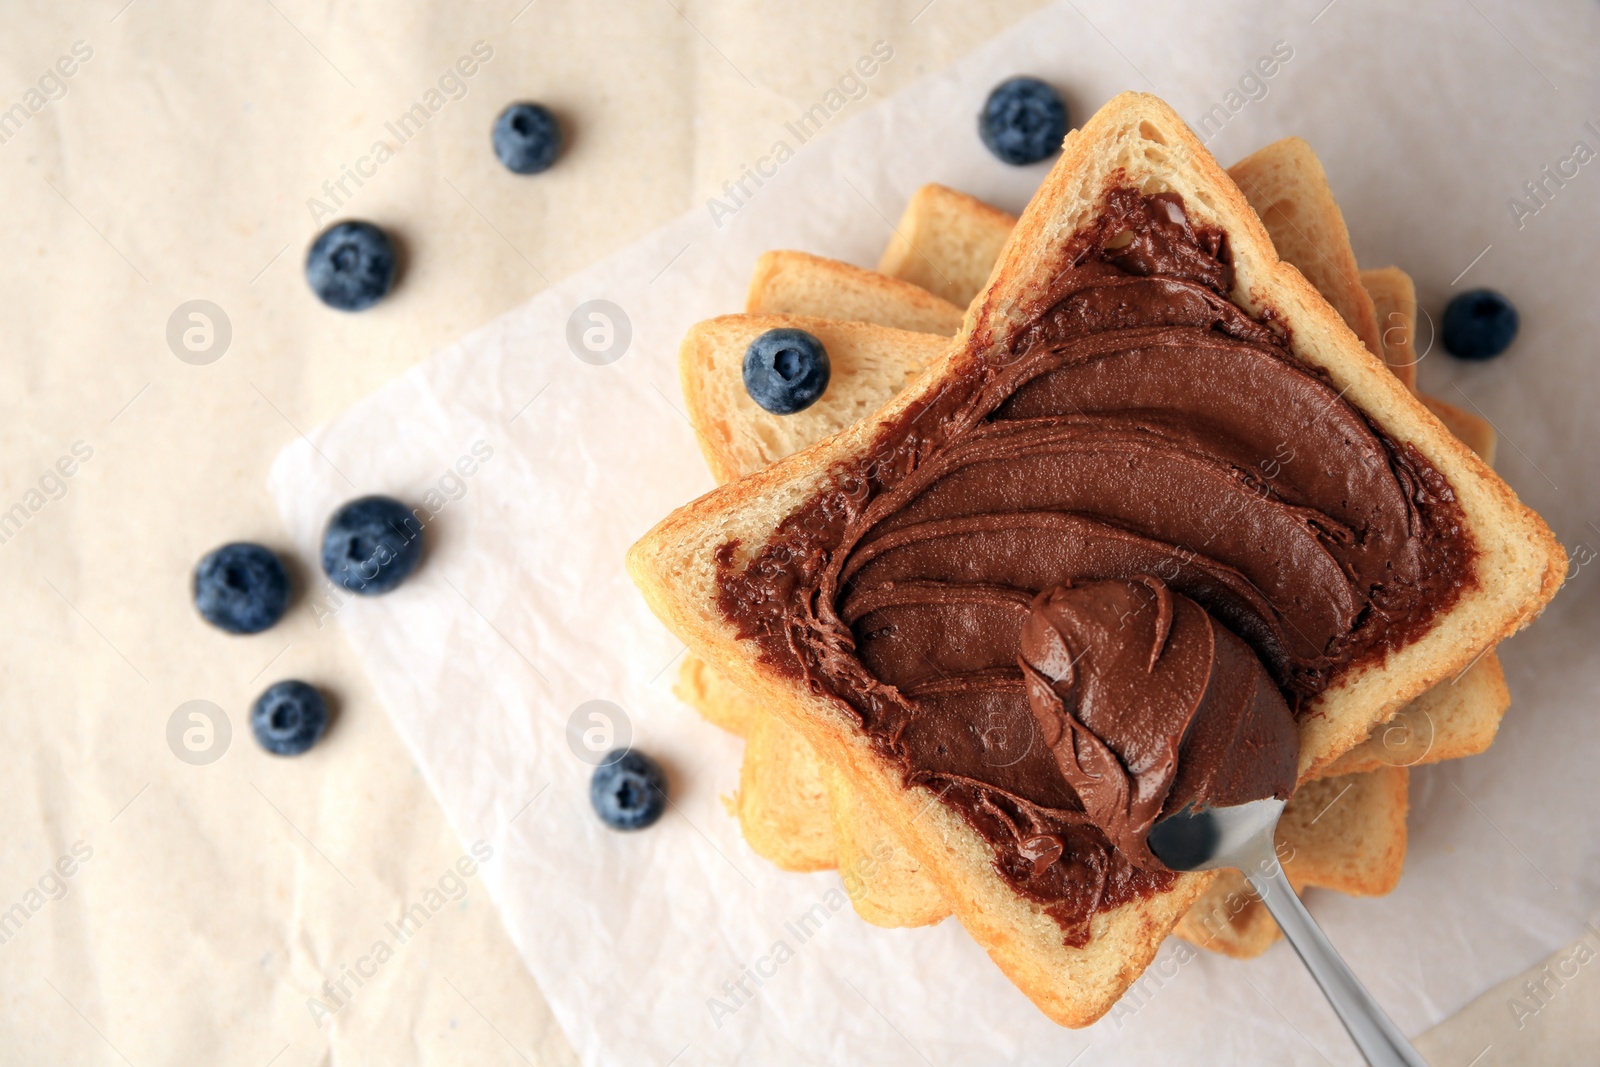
(527, 138)
(289, 718)
(1479, 324)
(1023, 121)
(371, 545)
(628, 790)
(241, 588)
(786, 370)
(351, 265)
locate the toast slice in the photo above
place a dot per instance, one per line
(866, 361)
(784, 817)
(946, 242)
(1135, 141)
(1452, 720)
(799, 283)
(779, 806)
(1394, 305)
(1474, 430)
(782, 805)
(1349, 832)
(1394, 297)
(787, 809)
(1289, 190)
(1230, 919)
(718, 700)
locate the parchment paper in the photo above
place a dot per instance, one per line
(522, 613)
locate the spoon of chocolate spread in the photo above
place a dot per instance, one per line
(1183, 752)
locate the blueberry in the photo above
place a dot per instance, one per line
(351, 265)
(241, 588)
(1479, 324)
(785, 370)
(371, 544)
(289, 718)
(628, 790)
(527, 138)
(1023, 121)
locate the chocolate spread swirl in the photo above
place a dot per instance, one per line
(1149, 705)
(1142, 427)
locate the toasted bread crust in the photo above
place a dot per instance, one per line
(1451, 720)
(777, 801)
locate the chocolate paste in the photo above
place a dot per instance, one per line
(1149, 705)
(1141, 427)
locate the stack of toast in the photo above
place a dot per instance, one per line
(944, 287)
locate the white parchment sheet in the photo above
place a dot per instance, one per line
(1428, 120)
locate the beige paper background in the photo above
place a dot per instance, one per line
(177, 166)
